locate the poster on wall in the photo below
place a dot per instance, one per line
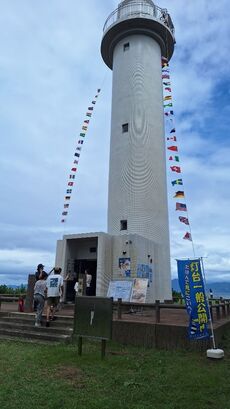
(120, 289)
(125, 267)
(139, 290)
(145, 271)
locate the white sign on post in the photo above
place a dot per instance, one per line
(120, 289)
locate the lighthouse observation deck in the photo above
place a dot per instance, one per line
(140, 9)
(136, 17)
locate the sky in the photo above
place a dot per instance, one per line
(50, 69)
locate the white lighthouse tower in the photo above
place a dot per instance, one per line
(136, 36)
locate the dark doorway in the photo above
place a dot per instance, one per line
(91, 265)
(78, 271)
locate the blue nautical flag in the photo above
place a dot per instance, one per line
(192, 287)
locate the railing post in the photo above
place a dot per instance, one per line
(158, 313)
(223, 309)
(80, 346)
(217, 311)
(30, 293)
(228, 309)
(119, 308)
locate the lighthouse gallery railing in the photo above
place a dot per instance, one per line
(139, 9)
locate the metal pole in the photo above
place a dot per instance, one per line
(80, 346)
(158, 313)
(210, 317)
(103, 348)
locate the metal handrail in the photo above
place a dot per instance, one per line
(140, 9)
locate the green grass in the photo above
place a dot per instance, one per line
(55, 377)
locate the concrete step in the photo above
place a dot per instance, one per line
(16, 325)
(60, 321)
(32, 314)
(58, 324)
(29, 326)
(27, 340)
(39, 334)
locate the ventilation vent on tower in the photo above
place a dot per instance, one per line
(126, 46)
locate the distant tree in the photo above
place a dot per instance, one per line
(4, 289)
(177, 297)
(21, 289)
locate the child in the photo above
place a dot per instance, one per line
(21, 303)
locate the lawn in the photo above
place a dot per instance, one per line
(55, 377)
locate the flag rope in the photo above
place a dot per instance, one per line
(172, 146)
(77, 154)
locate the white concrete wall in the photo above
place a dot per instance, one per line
(109, 250)
(79, 248)
(104, 264)
(137, 176)
(59, 259)
(137, 249)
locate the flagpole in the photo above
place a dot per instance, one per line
(209, 309)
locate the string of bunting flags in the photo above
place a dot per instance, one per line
(190, 272)
(77, 155)
(172, 149)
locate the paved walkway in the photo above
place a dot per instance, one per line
(13, 307)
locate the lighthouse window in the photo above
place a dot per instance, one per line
(123, 224)
(126, 46)
(125, 128)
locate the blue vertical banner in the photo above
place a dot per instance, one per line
(192, 287)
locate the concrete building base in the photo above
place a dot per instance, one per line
(101, 253)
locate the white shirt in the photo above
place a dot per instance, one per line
(88, 280)
(53, 284)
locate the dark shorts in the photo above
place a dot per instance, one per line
(53, 301)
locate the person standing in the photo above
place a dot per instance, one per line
(39, 297)
(54, 286)
(39, 271)
(76, 287)
(88, 282)
(38, 274)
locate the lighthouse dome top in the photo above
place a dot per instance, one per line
(124, 2)
(132, 17)
(134, 1)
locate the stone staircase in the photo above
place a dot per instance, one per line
(15, 325)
